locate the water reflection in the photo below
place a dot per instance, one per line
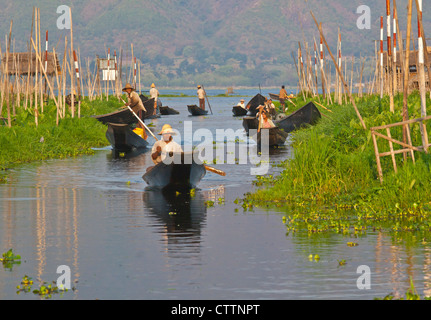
(180, 218)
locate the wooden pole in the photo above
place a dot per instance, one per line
(406, 72)
(75, 58)
(340, 73)
(389, 56)
(72, 93)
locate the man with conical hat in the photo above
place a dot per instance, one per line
(201, 96)
(135, 102)
(165, 146)
(154, 94)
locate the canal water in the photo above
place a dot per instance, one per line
(119, 240)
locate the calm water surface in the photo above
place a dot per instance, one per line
(121, 241)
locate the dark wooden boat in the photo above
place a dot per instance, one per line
(277, 137)
(239, 111)
(254, 104)
(178, 176)
(166, 111)
(124, 116)
(196, 111)
(123, 139)
(250, 123)
(274, 96)
(307, 115)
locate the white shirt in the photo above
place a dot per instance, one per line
(154, 93)
(242, 105)
(201, 93)
(166, 148)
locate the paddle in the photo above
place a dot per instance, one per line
(207, 99)
(140, 120)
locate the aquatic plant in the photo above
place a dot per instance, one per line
(9, 259)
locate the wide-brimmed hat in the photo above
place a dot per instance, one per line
(167, 129)
(242, 100)
(128, 86)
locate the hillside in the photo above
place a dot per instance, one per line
(223, 42)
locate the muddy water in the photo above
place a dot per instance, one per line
(121, 241)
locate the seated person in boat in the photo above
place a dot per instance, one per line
(166, 145)
(135, 103)
(242, 104)
(265, 121)
(270, 107)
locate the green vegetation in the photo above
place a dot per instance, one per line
(25, 142)
(331, 184)
(9, 259)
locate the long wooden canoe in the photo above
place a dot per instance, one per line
(250, 123)
(123, 139)
(196, 111)
(166, 111)
(176, 176)
(124, 116)
(307, 115)
(254, 104)
(239, 111)
(277, 137)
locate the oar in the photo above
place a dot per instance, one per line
(140, 120)
(207, 99)
(214, 170)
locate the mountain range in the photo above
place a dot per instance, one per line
(223, 42)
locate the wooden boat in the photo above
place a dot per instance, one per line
(123, 139)
(196, 111)
(239, 111)
(277, 137)
(166, 111)
(274, 96)
(176, 176)
(307, 115)
(254, 104)
(250, 123)
(124, 116)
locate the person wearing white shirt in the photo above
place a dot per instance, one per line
(154, 94)
(242, 104)
(201, 96)
(165, 146)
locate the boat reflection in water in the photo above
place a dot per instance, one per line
(180, 218)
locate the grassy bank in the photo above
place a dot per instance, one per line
(25, 142)
(331, 182)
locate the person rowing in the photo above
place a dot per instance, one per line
(166, 145)
(135, 103)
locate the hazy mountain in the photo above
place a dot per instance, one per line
(223, 42)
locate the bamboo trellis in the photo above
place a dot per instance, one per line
(408, 147)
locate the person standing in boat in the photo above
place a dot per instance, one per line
(283, 97)
(135, 102)
(201, 96)
(165, 146)
(154, 94)
(270, 108)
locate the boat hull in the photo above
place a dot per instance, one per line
(196, 111)
(239, 111)
(176, 176)
(123, 139)
(307, 115)
(166, 111)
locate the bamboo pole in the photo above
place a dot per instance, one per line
(72, 91)
(426, 57)
(406, 66)
(389, 57)
(339, 72)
